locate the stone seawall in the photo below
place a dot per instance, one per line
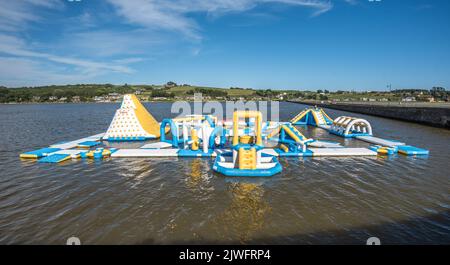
(437, 117)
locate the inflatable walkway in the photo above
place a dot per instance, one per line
(352, 127)
(132, 122)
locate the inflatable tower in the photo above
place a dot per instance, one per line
(132, 122)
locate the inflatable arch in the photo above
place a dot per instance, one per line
(173, 129)
(182, 129)
(217, 137)
(351, 127)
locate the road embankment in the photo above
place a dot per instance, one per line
(438, 116)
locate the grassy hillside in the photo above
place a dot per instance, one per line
(172, 91)
(109, 92)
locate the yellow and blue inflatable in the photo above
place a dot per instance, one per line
(246, 158)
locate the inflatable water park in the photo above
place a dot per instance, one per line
(246, 146)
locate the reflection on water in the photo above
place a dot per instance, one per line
(246, 213)
(197, 173)
(172, 200)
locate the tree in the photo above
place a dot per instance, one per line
(439, 93)
(160, 93)
(171, 84)
(4, 94)
(323, 97)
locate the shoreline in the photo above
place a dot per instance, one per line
(113, 102)
(61, 103)
(421, 113)
(430, 114)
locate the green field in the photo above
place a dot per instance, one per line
(172, 91)
(184, 90)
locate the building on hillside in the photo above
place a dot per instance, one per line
(114, 97)
(408, 99)
(99, 99)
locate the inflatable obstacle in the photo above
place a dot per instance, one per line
(350, 127)
(411, 150)
(357, 128)
(54, 155)
(227, 153)
(55, 158)
(88, 144)
(291, 141)
(64, 148)
(194, 135)
(379, 141)
(401, 149)
(205, 136)
(312, 116)
(246, 158)
(335, 152)
(75, 143)
(39, 153)
(99, 153)
(132, 122)
(383, 150)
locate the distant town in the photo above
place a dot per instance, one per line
(172, 91)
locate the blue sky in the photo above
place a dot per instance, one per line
(278, 44)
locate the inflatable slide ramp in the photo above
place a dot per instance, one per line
(312, 116)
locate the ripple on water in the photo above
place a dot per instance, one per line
(170, 200)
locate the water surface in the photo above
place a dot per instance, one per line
(401, 200)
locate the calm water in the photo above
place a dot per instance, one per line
(401, 200)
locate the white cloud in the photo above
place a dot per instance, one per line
(21, 59)
(32, 59)
(28, 72)
(174, 15)
(16, 14)
(130, 60)
(104, 43)
(16, 47)
(351, 2)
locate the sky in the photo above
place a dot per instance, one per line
(264, 44)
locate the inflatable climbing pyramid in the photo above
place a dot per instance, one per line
(132, 122)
